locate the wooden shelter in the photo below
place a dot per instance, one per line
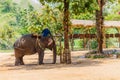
(92, 23)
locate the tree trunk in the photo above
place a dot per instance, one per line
(99, 32)
(99, 26)
(66, 52)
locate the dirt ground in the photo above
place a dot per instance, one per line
(80, 69)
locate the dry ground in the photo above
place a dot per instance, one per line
(80, 69)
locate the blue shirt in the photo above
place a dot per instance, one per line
(45, 32)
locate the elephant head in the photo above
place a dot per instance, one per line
(30, 44)
(48, 42)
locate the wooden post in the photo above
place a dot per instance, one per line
(61, 53)
(119, 36)
(72, 43)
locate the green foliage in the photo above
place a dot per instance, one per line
(17, 19)
(111, 30)
(84, 16)
(111, 11)
(7, 31)
(59, 49)
(94, 44)
(6, 6)
(50, 1)
(21, 18)
(83, 6)
(92, 30)
(83, 9)
(78, 44)
(34, 29)
(79, 9)
(9, 28)
(48, 18)
(7, 37)
(113, 17)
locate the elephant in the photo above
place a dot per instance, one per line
(30, 44)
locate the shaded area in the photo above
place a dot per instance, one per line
(31, 62)
(34, 66)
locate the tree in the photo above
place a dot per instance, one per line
(66, 54)
(10, 15)
(7, 31)
(99, 25)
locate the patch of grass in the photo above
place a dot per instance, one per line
(6, 51)
(94, 55)
(98, 56)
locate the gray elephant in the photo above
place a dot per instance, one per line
(31, 44)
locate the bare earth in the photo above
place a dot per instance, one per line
(80, 69)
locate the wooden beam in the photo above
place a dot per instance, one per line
(81, 36)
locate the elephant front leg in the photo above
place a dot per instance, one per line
(41, 57)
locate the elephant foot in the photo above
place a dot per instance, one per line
(22, 64)
(41, 63)
(17, 63)
(53, 62)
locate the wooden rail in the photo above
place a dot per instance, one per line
(93, 36)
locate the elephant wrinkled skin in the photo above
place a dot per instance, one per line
(30, 44)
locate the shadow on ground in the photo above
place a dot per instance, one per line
(31, 63)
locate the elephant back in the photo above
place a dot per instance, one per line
(26, 42)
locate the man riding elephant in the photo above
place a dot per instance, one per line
(46, 32)
(31, 44)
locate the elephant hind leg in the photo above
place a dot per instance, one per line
(19, 61)
(19, 58)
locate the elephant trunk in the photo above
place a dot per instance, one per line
(54, 54)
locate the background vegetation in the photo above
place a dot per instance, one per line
(21, 17)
